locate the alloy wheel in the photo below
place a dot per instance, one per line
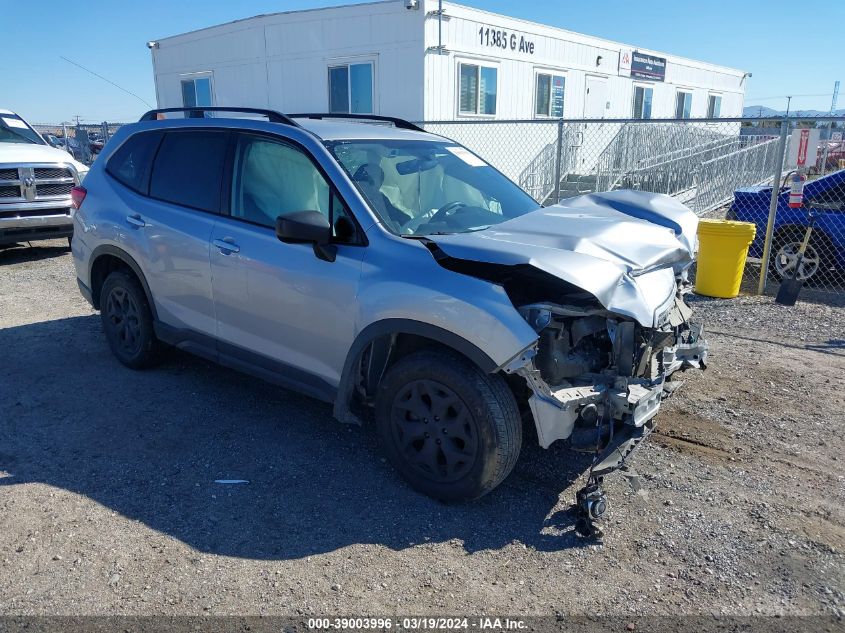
(787, 258)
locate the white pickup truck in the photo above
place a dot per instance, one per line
(35, 184)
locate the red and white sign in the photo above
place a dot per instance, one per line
(625, 56)
(803, 148)
(803, 141)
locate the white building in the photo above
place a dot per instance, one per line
(402, 58)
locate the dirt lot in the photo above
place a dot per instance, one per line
(108, 502)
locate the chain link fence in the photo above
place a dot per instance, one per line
(83, 141)
(719, 168)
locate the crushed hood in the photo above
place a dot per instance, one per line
(623, 247)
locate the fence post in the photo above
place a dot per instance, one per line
(558, 159)
(773, 206)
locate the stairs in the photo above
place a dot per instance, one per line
(576, 185)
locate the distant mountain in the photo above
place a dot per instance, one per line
(760, 111)
(764, 112)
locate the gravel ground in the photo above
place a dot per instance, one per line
(109, 504)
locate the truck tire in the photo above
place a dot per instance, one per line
(128, 321)
(452, 431)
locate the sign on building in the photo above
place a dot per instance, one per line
(803, 148)
(625, 62)
(649, 67)
(558, 84)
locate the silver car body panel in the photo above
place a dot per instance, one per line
(281, 301)
(401, 280)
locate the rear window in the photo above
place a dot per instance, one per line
(189, 167)
(131, 163)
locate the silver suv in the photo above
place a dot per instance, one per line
(397, 275)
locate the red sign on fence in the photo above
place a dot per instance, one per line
(802, 147)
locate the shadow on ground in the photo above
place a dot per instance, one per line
(149, 445)
(23, 252)
(833, 344)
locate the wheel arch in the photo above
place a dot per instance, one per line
(820, 235)
(388, 340)
(106, 259)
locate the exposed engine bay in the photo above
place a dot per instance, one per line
(598, 379)
(590, 365)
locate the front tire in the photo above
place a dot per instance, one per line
(452, 431)
(128, 321)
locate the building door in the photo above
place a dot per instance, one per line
(595, 97)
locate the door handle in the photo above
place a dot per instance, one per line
(136, 220)
(227, 245)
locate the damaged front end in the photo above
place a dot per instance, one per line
(602, 280)
(598, 379)
(591, 365)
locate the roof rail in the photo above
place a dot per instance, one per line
(397, 122)
(272, 115)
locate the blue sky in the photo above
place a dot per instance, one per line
(799, 56)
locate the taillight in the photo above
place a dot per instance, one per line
(77, 195)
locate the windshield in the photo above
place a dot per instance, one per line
(430, 187)
(13, 129)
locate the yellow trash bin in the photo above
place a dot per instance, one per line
(722, 250)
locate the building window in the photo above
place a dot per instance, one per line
(548, 100)
(683, 105)
(714, 106)
(196, 92)
(643, 97)
(477, 93)
(351, 88)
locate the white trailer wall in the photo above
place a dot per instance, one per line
(572, 55)
(281, 61)
(583, 61)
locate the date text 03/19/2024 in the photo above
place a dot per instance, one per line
(482, 623)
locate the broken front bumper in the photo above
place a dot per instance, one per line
(633, 401)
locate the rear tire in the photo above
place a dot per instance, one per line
(452, 431)
(128, 321)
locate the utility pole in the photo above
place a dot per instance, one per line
(788, 101)
(830, 126)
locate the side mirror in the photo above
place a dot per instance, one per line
(307, 227)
